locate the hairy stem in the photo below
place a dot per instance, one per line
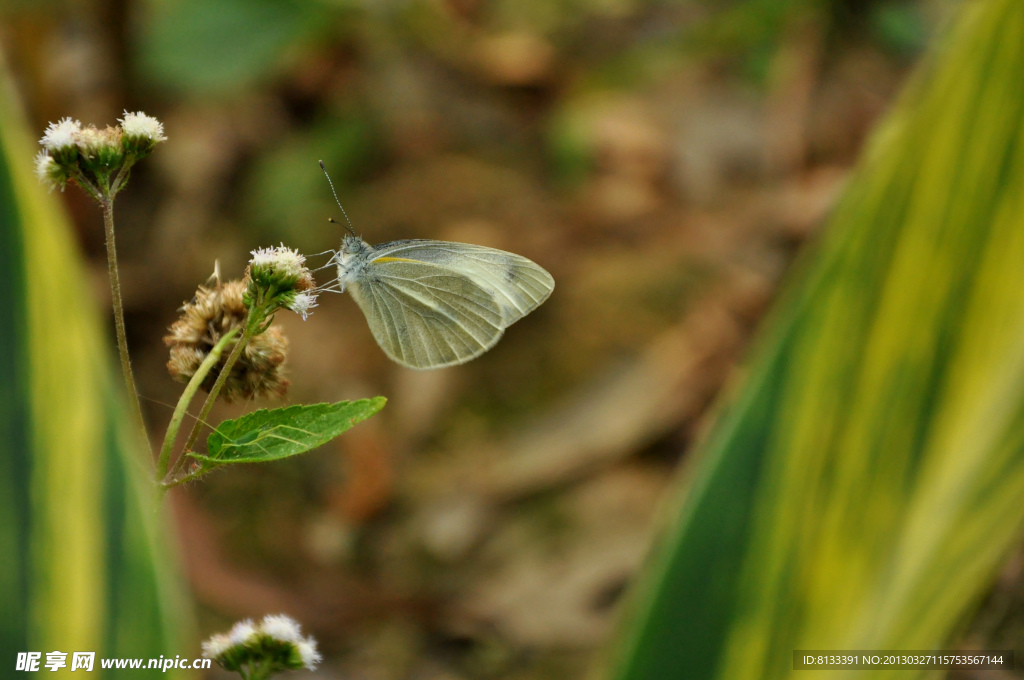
(183, 402)
(178, 481)
(122, 174)
(252, 322)
(122, 339)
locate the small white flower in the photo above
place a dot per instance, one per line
(281, 627)
(216, 645)
(261, 257)
(61, 134)
(282, 258)
(303, 304)
(307, 650)
(141, 125)
(43, 161)
(46, 169)
(243, 632)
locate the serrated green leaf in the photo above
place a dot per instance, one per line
(270, 434)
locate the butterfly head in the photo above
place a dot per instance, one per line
(352, 258)
(354, 246)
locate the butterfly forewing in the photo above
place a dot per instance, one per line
(517, 284)
(431, 304)
(425, 316)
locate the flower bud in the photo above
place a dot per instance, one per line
(60, 140)
(99, 152)
(282, 637)
(49, 172)
(281, 627)
(228, 654)
(309, 657)
(140, 133)
(216, 645)
(244, 633)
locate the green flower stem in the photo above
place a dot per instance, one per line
(107, 204)
(186, 398)
(122, 174)
(262, 671)
(252, 324)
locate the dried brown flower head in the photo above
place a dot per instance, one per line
(214, 311)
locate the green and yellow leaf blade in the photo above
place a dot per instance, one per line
(87, 567)
(864, 485)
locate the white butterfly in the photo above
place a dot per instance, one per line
(432, 304)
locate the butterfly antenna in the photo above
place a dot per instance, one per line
(351, 230)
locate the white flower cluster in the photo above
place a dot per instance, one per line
(278, 275)
(97, 160)
(277, 641)
(66, 132)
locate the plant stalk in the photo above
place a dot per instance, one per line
(186, 398)
(107, 204)
(168, 485)
(252, 322)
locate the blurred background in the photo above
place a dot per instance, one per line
(664, 160)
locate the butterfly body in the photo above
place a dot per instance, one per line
(431, 304)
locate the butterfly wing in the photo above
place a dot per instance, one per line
(423, 316)
(518, 284)
(431, 304)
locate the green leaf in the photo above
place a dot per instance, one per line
(270, 434)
